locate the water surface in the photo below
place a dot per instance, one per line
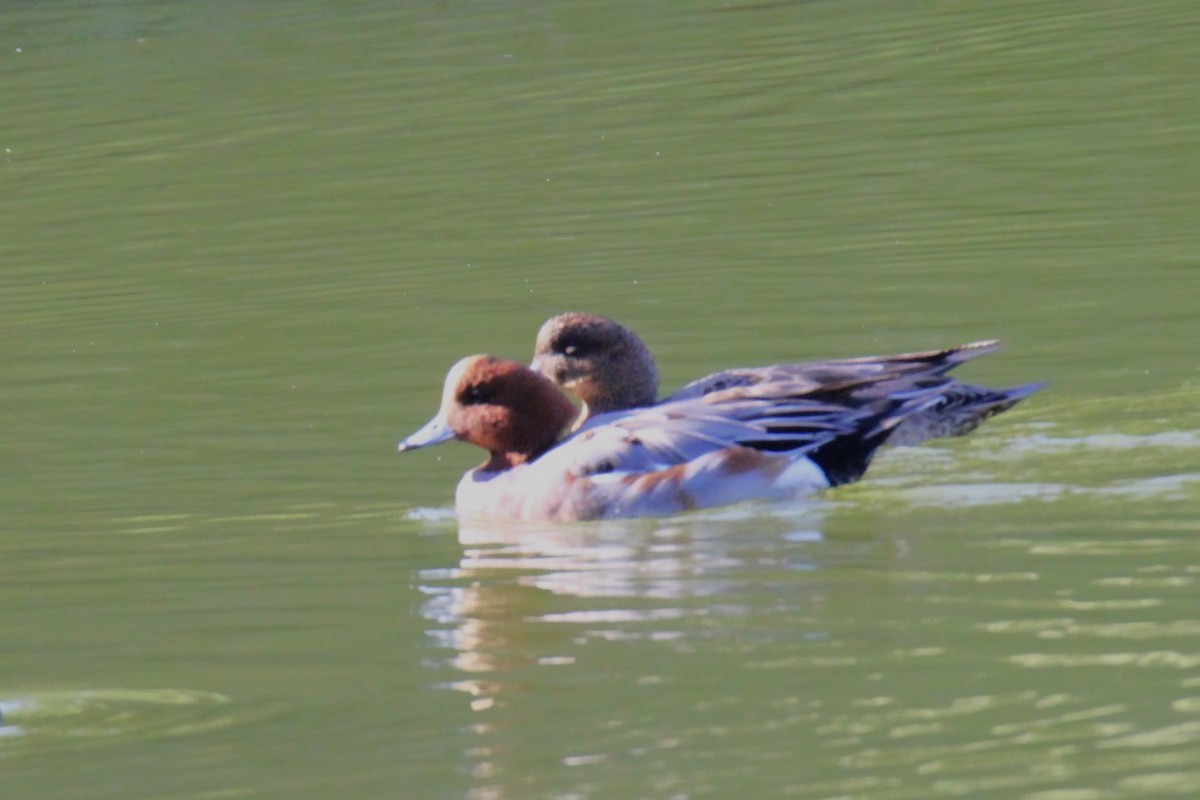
(242, 245)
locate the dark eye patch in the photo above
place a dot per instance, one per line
(476, 395)
(575, 345)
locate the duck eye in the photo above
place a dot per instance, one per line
(574, 347)
(475, 395)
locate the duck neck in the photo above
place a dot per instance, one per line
(499, 462)
(585, 413)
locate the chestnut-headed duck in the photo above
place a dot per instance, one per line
(609, 368)
(772, 440)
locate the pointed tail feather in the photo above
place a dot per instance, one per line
(960, 410)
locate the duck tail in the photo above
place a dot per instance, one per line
(911, 411)
(957, 411)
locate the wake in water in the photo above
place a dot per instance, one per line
(1141, 460)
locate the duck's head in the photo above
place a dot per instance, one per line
(502, 406)
(604, 364)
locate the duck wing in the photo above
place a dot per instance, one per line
(837, 425)
(819, 373)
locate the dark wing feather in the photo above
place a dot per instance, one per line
(818, 373)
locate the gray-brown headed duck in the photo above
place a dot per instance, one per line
(609, 368)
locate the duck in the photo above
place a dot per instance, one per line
(607, 367)
(771, 440)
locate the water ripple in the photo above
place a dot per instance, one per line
(79, 716)
(1157, 658)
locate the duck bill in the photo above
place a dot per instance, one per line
(436, 431)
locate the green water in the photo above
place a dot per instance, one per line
(241, 243)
